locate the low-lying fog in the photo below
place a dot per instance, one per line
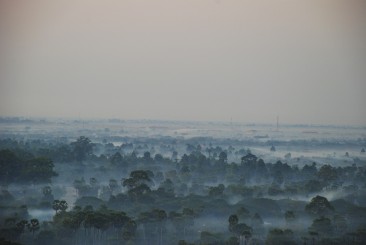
(178, 181)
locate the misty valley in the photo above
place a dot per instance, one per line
(107, 182)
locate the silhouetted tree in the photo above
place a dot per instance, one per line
(319, 206)
(82, 147)
(33, 226)
(322, 225)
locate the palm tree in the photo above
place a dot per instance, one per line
(63, 205)
(56, 205)
(33, 226)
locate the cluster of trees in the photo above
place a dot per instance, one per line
(86, 225)
(76, 151)
(24, 169)
(13, 229)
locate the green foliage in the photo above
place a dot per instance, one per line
(233, 220)
(33, 225)
(59, 205)
(101, 220)
(249, 159)
(10, 167)
(12, 230)
(223, 157)
(82, 147)
(319, 206)
(14, 169)
(138, 183)
(328, 174)
(322, 226)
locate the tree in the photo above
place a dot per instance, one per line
(63, 205)
(11, 230)
(56, 205)
(59, 205)
(138, 183)
(242, 230)
(248, 159)
(328, 174)
(119, 219)
(10, 167)
(38, 170)
(33, 226)
(321, 226)
(24, 169)
(233, 220)
(168, 187)
(153, 224)
(309, 171)
(223, 157)
(158, 158)
(82, 147)
(129, 230)
(21, 225)
(147, 157)
(116, 159)
(137, 178)
(319, 206)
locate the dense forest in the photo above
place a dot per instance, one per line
(166, 190)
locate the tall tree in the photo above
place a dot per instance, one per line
(82, 147)
(319, 206)
(33, 226)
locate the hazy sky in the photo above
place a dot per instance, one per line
(304, 61)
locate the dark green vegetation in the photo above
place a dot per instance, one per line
(146, 192)
(24, 168)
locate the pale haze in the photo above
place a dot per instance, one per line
(249, 61)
